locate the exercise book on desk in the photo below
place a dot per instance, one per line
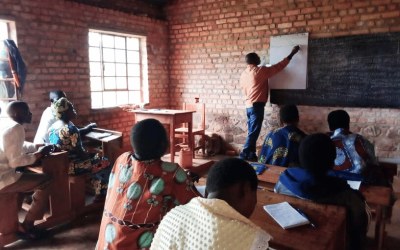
(354, 184)
(286, 215)
(98, 135)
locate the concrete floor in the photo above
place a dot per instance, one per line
(82, 233)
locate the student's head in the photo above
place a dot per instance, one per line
(149, 140)
(19, 112)
(234, 181)
(56, 94)
(289, 115)
(64, 110)
(338, 119)
(317, 153)
(253, 59)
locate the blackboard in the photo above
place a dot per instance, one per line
(352, 71)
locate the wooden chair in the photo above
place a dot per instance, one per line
(183, 132)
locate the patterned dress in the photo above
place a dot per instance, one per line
(68, 138)
(353, 151)
(281, 147)
(139, 195)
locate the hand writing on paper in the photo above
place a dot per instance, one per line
(294, 51)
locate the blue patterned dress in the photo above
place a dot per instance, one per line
(281, 147)
(67, 138)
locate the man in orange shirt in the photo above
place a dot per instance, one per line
(254, 83)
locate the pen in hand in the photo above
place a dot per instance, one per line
(302, 214)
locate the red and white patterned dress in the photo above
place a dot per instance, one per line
(139, 194)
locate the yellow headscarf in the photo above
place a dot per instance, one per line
(60, 107)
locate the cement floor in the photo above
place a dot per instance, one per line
(83, 232)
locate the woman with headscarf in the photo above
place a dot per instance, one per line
(65, 135)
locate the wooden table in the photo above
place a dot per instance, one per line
(172, 118)
(330, 221)
(376, 196)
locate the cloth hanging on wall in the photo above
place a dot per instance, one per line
(17, 61)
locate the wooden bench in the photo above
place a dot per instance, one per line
(377, 197)
(9, 218)
(55, 165)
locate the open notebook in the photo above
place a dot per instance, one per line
(286, 215)
(98, 135)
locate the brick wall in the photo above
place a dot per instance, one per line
(53, 39)
(209, 39)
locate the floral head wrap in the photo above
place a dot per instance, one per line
(60, 107)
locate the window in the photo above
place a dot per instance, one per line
(7, 85)
(118, 69)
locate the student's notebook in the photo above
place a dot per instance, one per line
(98, 135)
(286, 215)
(258, 167)
(354, 184)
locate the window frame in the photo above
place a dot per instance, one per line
(11, 34)
(142, 60)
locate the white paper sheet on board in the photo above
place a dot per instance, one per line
(294, 76)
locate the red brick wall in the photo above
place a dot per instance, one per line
(209, 39)
(52, 37)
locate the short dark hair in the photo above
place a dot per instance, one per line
(15, 107)
(338, 119)
(289, 113)
(149, 140)
(56, 94)
(317, 153)
(253, 58)
(229, 172)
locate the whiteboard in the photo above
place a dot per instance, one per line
(294, 76)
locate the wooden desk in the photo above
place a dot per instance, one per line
(330, 221)
(373, 194)
(56, 165)
(376, 196)
(172, 118)
(111, 146)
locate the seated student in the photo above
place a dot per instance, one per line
(48, 118)
(66, 136)
(220, 221)
(142, 190)
(310, 181)
(354, 153)
(16, 152)
(281, 146)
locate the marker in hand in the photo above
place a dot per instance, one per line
(302, 214)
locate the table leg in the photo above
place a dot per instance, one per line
(378, 226)
(172, 140)
(381, 235)
(190, 137)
